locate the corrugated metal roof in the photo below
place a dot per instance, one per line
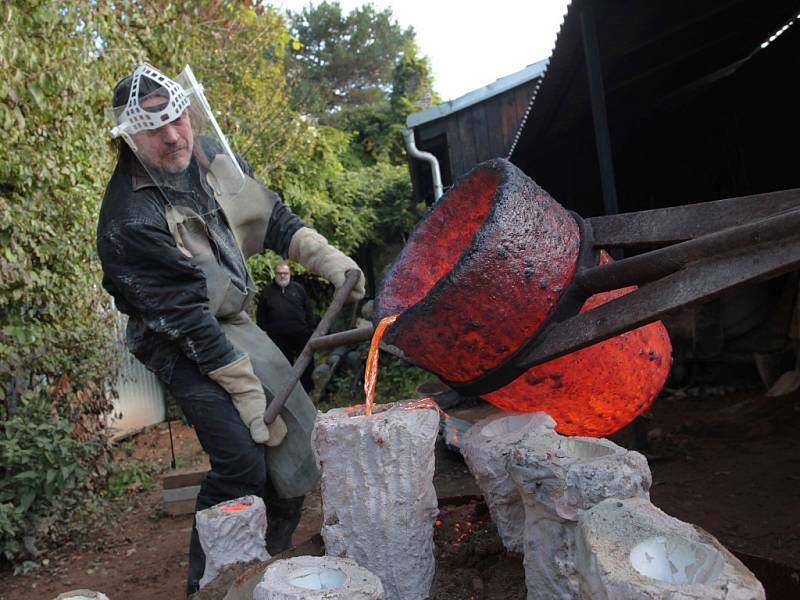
(649, 51)
(493, 89)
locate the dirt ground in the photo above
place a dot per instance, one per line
(725, 459)
(471, 563)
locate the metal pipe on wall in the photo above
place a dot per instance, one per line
(408, 136)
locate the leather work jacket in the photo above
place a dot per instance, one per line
(178, 270)
(162, 290)
(285, 311)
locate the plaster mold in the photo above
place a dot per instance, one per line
(230, 532)
(630, 550)
(378, 500)
(317, 578)
(558, 479)
(82, 595)
(485, 447)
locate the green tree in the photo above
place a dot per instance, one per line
(365, 92)
(340, 60)
(58, 333)
(412, 83)
(374, 130)
(376, 127)
(60, 59)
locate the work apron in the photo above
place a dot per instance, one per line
(290, 466)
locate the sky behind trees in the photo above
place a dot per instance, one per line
(471, 43)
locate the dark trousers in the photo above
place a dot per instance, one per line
(292, 345)
(238, 466)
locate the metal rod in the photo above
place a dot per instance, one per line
(343, 338)
(698, 282)
(351, 278)
(664, 226)
(173, 464)
(655, 264)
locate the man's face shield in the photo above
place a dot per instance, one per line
(169, 126)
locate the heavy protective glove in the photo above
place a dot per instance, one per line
(313, 251)
(247, 394)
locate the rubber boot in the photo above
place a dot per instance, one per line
(283, 516)
(197, 562)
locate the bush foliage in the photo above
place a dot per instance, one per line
(59, 348)
(55, 325)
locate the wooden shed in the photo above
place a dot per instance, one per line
(669, 102)
(648, 105)
(475, 127)
(641, 105)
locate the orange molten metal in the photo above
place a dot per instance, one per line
(482, 273)
(235, 507)
(371, 378)
(600, 389)
(371, 370)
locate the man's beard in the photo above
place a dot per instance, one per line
(282, 283)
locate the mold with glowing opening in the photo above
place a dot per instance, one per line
(378, 499)
(676, 560)
(231, 531)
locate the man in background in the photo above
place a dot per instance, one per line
(285, 313)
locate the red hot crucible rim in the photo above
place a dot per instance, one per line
(481, 273)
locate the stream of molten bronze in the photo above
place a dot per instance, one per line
(371, 375)
(371, 370)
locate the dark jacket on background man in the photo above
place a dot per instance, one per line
(285, 311)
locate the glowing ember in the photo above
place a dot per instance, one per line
(235, 507)
(371, 371)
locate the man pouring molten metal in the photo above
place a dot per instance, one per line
(180, 216)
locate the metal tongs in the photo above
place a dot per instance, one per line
(701, 251)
